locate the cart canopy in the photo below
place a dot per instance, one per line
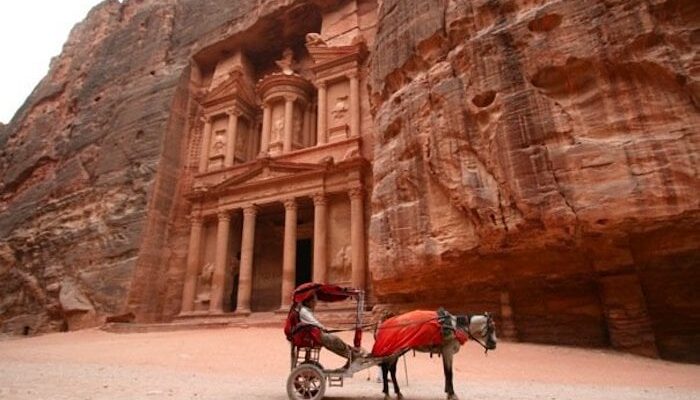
(324, 292)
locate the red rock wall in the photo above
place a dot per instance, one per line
(537, 159)
(546, 150)
(93, 167)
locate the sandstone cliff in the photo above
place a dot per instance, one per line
(92, 162)
(541, 157)
(533, 158)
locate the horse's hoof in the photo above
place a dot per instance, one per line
(387, 397)
(399, 396)
(452, 397)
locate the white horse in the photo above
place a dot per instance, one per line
(479, 328)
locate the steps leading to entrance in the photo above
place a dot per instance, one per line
(202, 321)
(333, 317)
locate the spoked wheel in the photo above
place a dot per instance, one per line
(306, 382)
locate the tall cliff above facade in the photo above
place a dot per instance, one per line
(534, 159)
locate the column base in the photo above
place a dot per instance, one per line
(241, 313)
(284, 309)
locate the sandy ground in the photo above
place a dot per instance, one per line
(253, 363)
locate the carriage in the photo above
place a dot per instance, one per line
(308, 377)
(426, 331)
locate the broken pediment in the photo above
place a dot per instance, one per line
(236, 86)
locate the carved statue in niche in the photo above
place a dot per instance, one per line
(278, 129)
(315, 39)
(342, 261)
(286, 63)
(219, 146)
(298, 122)
(340, 108)
(204, 283)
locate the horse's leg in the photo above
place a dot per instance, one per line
(392, 369)
(447, 356)
(385, 379)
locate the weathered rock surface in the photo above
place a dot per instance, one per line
(537, 159)
(546, 153)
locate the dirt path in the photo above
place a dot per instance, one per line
(253, 364)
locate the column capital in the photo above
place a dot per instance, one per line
(196, 219)
(322, 84)
(206, 118)
(353, 74)
(234, 111)
(250, 210)
(224, 215)
(356, 192)
(290, 98)
(320, 199)
(290, 204)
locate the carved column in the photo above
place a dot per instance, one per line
(190, 289)
(357, 237)
(322, 113)
(312, 125)
(288, 123)
(290, 252)
(320, 234)
(245, 277)
(354, 105)
(216, 302)
(305, 132)
(231, 137)
(206, 137)
(266, 127)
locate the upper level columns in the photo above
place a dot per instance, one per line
(357, 237)
(288, 123)
(290, 252)
(266, 128)
(206, 137)
(320, 236)
(231, 137)
(221, 256)
(322, 127)
(193, 260)
(354, 105)
(245, 277)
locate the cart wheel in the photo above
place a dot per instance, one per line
(306, 382)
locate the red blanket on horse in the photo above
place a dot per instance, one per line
(414, 329)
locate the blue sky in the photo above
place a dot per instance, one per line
(31, 33)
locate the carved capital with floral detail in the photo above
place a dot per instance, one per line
(320, 199)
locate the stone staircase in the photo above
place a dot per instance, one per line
(330, 315)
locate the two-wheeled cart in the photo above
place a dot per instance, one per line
(308, 378)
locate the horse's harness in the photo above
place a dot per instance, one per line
(463, 323)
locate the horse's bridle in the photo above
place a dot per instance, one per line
(490, 327)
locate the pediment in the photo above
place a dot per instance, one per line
(268, 171)
(234, 86)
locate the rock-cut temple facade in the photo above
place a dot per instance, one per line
(188, 160)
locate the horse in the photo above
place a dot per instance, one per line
(411, 330)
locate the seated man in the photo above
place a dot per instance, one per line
(328, 340)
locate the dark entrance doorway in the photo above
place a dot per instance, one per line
(303, 269)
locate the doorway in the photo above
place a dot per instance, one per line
(303, 262)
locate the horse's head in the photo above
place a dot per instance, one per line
(481, 328)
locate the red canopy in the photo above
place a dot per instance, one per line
(326, 293)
